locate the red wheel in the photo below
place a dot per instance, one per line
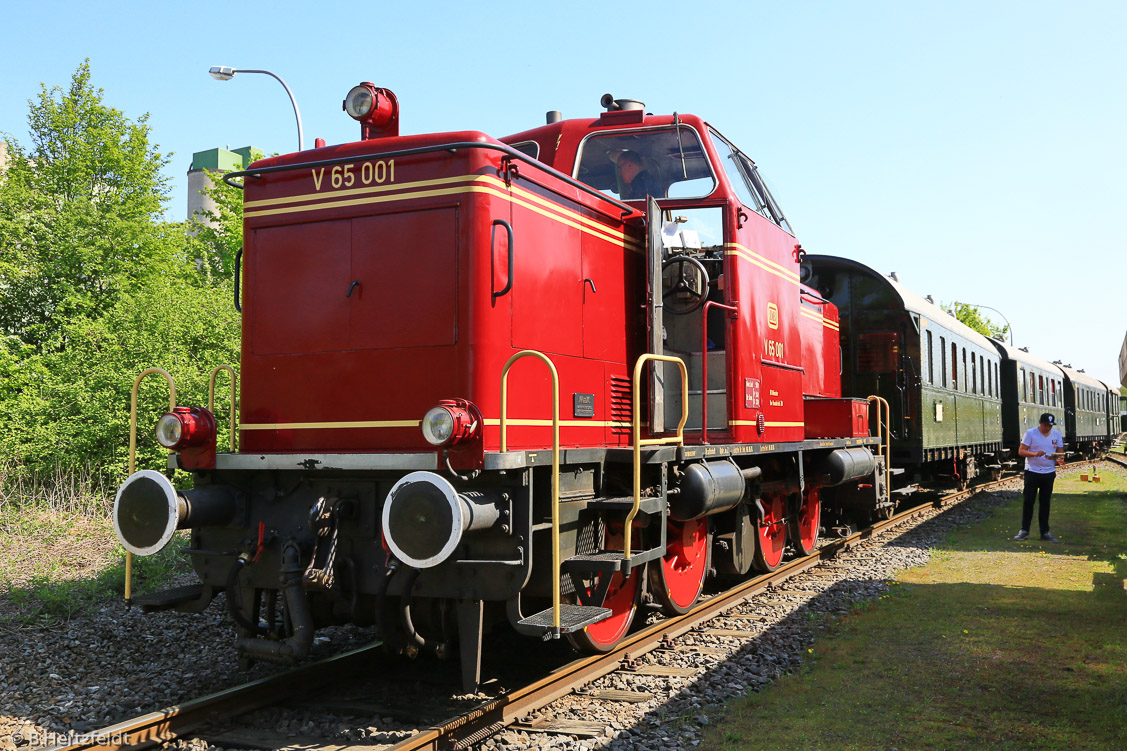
(622, 599)
(771, 537)
(677, 579)
(806, 524)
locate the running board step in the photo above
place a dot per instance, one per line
(572, 618)
(169, 598)
(609, 561)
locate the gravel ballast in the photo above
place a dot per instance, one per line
(112, 663)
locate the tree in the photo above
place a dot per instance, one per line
(94, 288)
(970, 316)
(220, 236)
(77, 212)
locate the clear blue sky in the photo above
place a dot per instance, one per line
(976, 148)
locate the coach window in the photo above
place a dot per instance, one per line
(930, 361)
(966, 378)
(943, 357)
(673, 159)
(1041, 390)
(1032, 387)
(973, 375)
(954, 366)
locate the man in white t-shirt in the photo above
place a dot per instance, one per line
(1043, 449)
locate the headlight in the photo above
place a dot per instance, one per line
(438, 426)
(453, 420)
(376, 109)
(358, 103)
(184, 427)
(169, 428)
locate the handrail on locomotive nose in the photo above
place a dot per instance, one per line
(211, 398)
(639, 441)
(555, 464)
(133, 453)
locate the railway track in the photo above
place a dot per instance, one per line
(490, 717)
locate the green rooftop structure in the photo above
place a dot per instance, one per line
(215, 161)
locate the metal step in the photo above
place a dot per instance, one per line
(168, 598)
(572, 618)
(607, 561)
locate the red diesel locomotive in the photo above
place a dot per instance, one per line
(539, 379)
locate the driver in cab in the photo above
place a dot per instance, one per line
(637, 182)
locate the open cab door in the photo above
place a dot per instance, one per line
(655, 325)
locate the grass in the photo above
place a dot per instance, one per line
(992, 645)
(59, 556)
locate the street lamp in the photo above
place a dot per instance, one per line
(1008, 326)
(225, 73)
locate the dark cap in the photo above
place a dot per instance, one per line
(1048, 419)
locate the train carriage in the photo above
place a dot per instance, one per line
(1085, 405)
(1030, 387)
(940, 376)
(1110, 404)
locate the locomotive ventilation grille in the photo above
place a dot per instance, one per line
(620, 405)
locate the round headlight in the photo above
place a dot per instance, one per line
(359, 102)
(184, 427)
(169, 429)
(438, 426)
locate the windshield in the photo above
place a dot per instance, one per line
(632, 165)
(747, 181)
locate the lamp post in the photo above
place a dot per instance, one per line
(1008, 326)
(224, 73)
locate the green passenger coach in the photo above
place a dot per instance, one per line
(1030, 387)
(941, 378)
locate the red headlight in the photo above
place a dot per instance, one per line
(453, 420)
(376, 109)
(184, 427)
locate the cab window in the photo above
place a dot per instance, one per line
(748, 183)
(665, 163)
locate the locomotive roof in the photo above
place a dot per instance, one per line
(1083, 378)
(912, 302)
(1018, 355)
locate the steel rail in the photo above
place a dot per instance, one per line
(472, 726)
(169, 723)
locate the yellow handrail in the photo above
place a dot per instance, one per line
(133, 451)
(211, 397)
(639, 442)
(555, 463)
(887, 438)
